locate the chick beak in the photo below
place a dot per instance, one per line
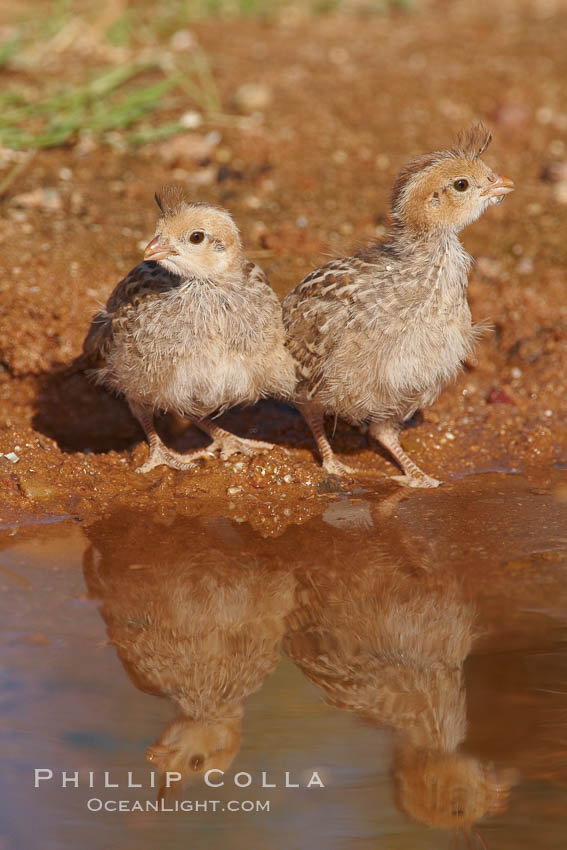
(158, 249)
(498, 188)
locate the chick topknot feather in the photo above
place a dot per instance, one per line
(472, 142)
(171, 199)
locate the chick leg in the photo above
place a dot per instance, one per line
(388, 435)
(160, 455)
(229, 444)
(315, 419)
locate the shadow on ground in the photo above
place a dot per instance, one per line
(81, 417)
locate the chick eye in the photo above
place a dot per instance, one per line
(196, 237)
(461, 185)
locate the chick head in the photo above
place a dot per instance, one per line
(446, 190)
(450, 790)
(194, 240)
(192, 748)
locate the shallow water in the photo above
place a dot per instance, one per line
(409, 650)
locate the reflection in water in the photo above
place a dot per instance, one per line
(372, 598)
(202, 630)
(388, 643)
(197, 618)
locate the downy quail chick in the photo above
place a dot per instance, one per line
(193, 329)
(377, 335)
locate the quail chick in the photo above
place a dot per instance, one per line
(377, 335)
(193, 329)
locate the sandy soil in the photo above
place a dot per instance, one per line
(348, 100)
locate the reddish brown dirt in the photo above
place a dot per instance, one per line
(353, 97)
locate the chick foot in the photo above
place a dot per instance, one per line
(331, 464)
(334, 466)
(230, 444)
(156, 457)
(387, 434)
(162, 456)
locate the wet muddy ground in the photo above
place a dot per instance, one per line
(302, 595)
(349, 99)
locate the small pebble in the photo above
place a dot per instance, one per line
(191, 120)
(188, 149)
(203, 177)
(560, 192)
(531, 209)
(252, 97)
(544, 115)
(252, 202)
(489, 267)
(48, 200)
(182, 40)
(525, 266)
(499, 396)
(12, 457)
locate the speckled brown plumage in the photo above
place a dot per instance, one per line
(377, 335)
(195, 329)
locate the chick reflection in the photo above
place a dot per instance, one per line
(197, 627)
(388, 643)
